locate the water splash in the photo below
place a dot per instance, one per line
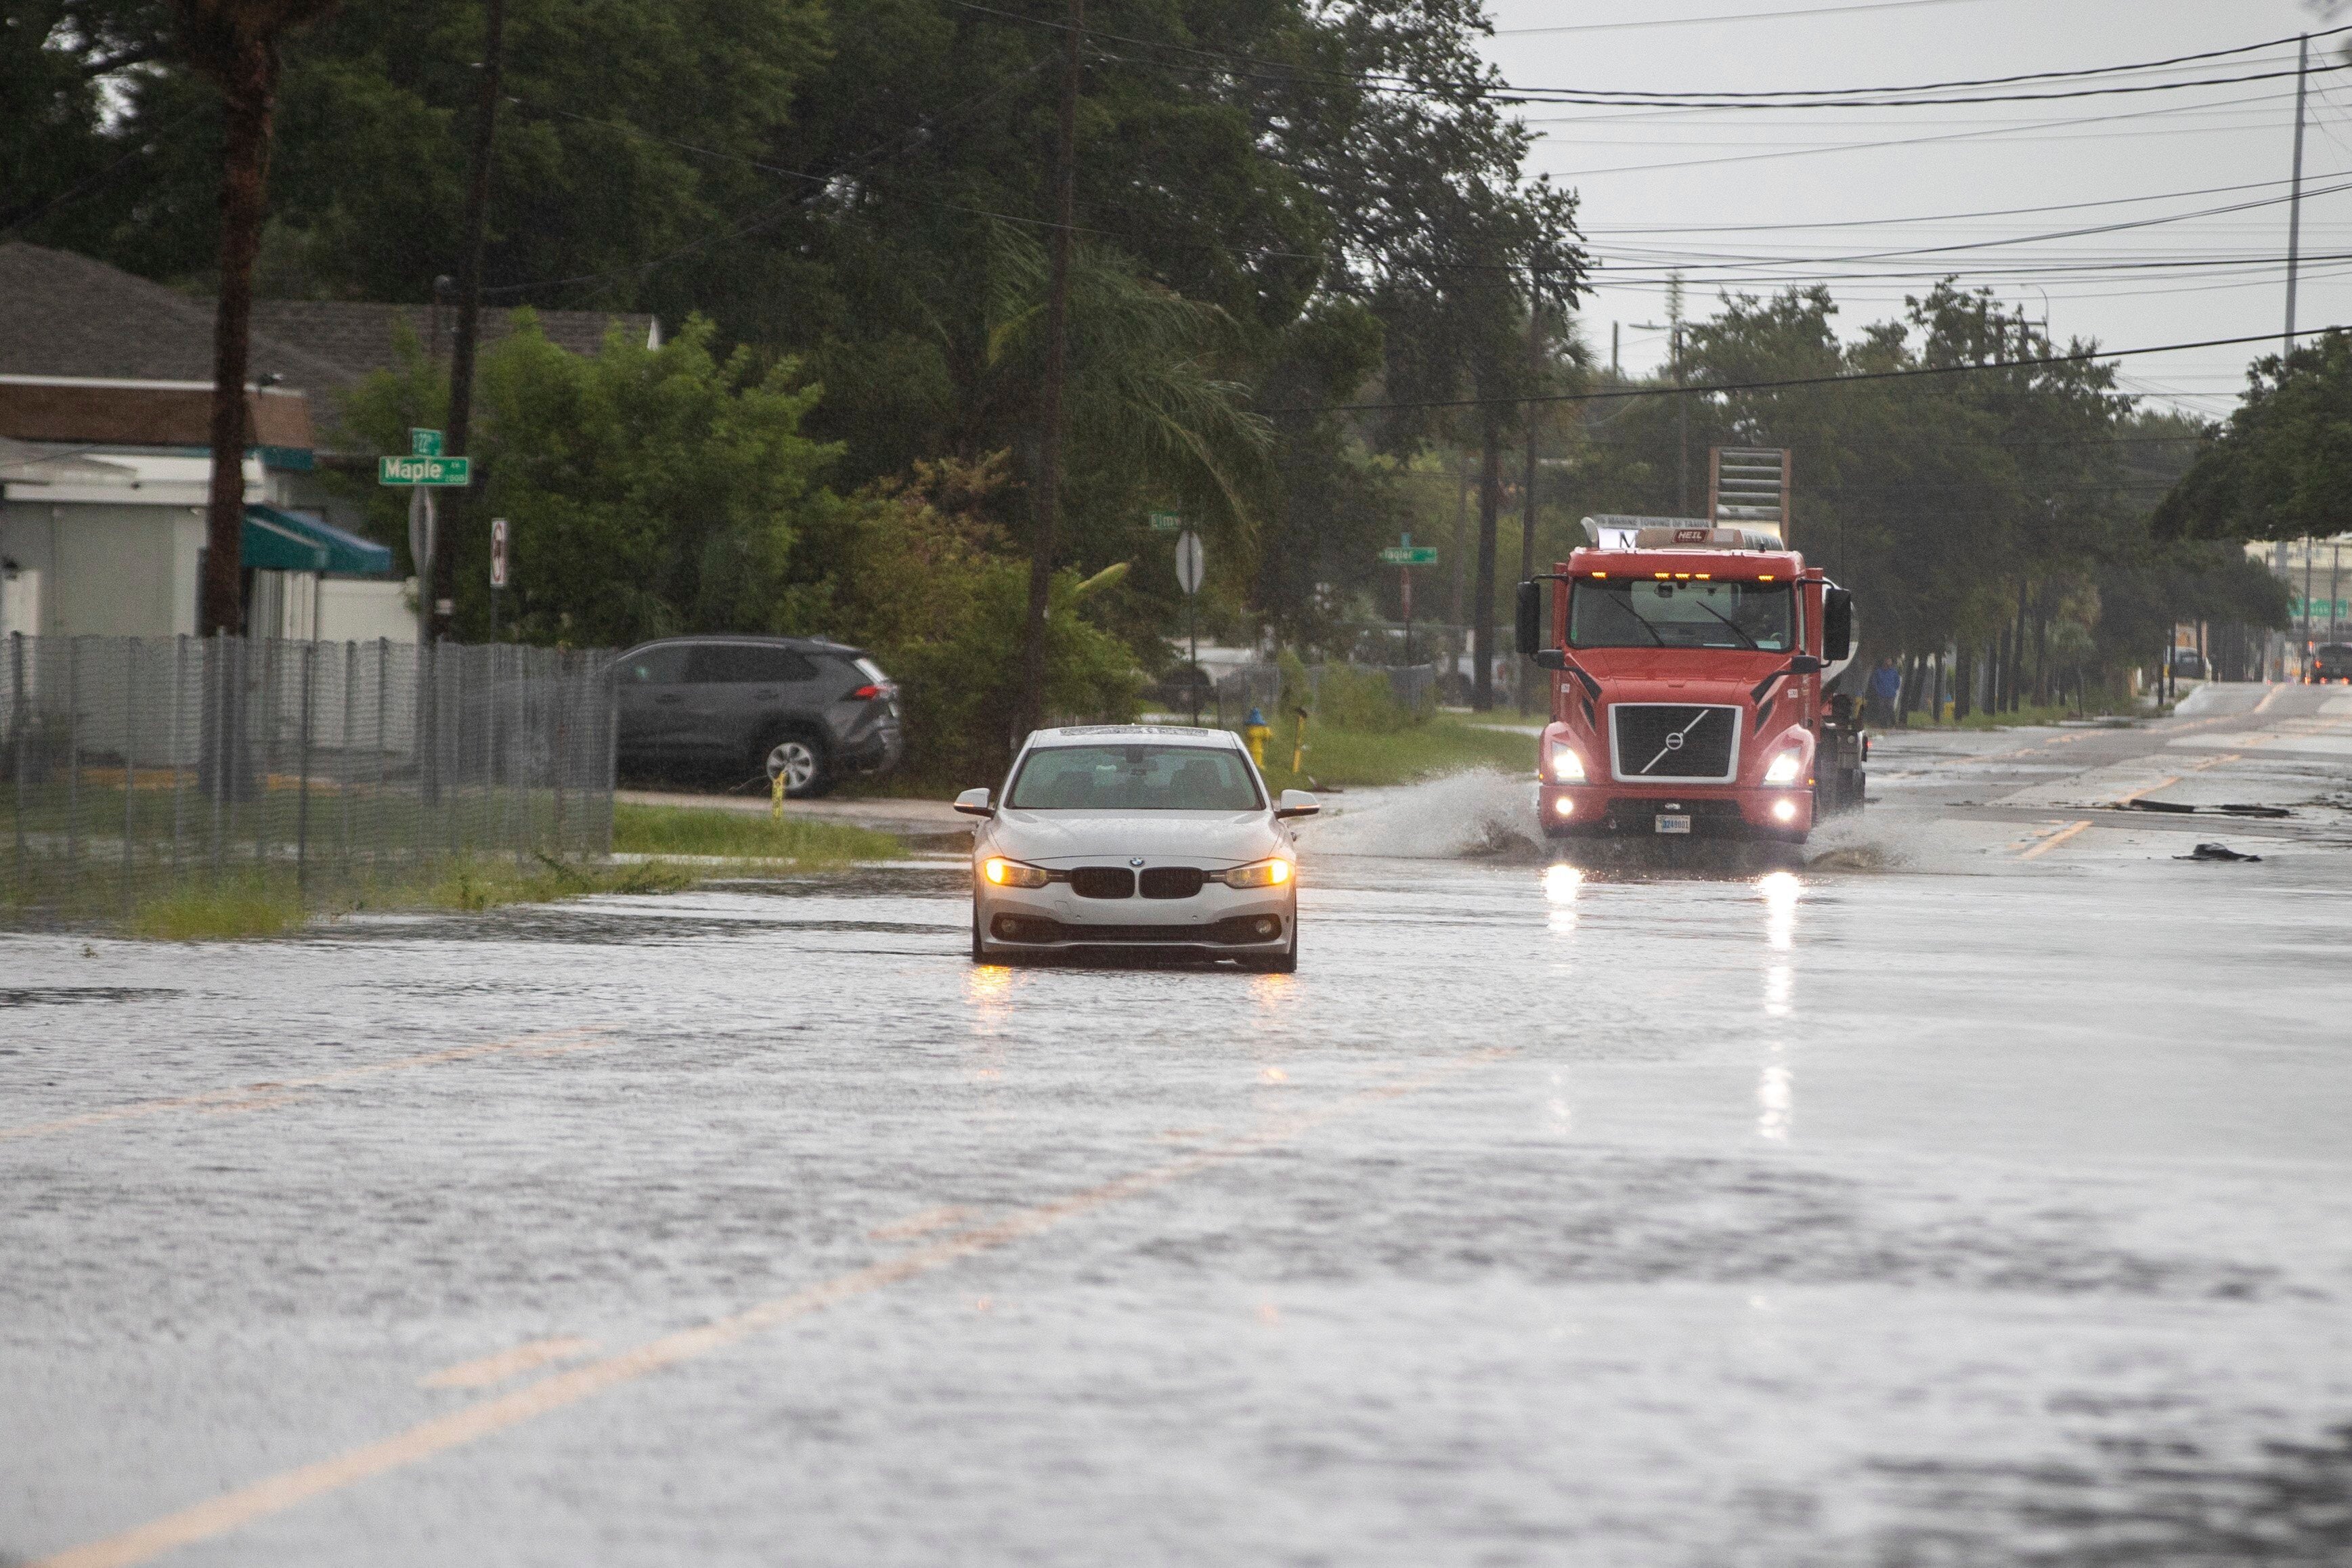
(1480, 813)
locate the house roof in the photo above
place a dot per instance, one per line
(360, 337)
(70, 316)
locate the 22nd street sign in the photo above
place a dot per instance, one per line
(424, 470)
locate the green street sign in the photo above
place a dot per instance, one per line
(423, 443)
(424, 470)
(1408, 555)
(1167, 523)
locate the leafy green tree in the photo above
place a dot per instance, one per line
(2281, 466)
(651, 491)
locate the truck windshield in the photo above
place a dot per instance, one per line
(1645, 614)
(1134, 778)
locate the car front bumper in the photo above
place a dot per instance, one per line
(1217, 918)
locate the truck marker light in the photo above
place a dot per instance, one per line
(1706, 576)
(1764, 576)
(1601, 576)
(1784, 811)
(1682, 576)
(1662, 577)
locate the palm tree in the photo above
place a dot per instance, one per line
(234, 43)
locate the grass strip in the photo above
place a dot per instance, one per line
(1446, 743)
(742, 835)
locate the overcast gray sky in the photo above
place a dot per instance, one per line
(1696, 187)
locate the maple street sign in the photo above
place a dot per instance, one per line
(424, 470)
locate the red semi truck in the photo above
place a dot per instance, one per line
(1687, 688)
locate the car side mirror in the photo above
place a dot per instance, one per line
(1530, 618)
(974, 802)
(1296, 803)
(1551, 658)
(1837, 624)
(1804, 664)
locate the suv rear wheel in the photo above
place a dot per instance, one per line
(798, 760)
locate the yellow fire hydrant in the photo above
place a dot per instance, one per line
(1257, 731)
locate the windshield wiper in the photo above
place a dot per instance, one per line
(1635, 617)
(1719, 615)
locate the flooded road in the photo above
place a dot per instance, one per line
(1959, 1192)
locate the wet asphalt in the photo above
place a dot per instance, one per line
(1971, 1188)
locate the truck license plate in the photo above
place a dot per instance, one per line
(1673, 824)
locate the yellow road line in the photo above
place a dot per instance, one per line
(219, 1515)
(263, 1095)
(916, 1225)
(484, 1371)
(2055, 839)
(2148, 789)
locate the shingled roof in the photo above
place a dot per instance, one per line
(361, 337)
(67, 315)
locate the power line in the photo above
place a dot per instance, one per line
(1735, 17)
(2027, 361)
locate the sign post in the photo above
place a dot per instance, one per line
(423, 469)
(498, 570)
(1192, 567)
(1404, 555)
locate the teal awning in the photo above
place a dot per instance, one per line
(278, 541)
(270, 546)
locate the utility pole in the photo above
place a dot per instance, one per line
(1528, 485)
(2295, 200)
(1029, 712)
(1673, 325)
(469, 308)
(1482, 613)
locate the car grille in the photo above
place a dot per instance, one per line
(1102, 882)
(1170, 881)
(1675, 740)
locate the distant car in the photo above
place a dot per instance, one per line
(809, 711)
(2331, 662)
(1136, 836)
(2188, 664)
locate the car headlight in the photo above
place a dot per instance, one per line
(1265, 873)
(1783, 769)
(1567, 767)
(1013, 874)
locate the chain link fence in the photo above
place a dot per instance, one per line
(134, 768)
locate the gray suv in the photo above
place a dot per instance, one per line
(800, 709)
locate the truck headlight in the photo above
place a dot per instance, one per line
(1265, 873)
(1567, 767)
(1783, 770)
(1013, 874)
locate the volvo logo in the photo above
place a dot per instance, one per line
(1135, 860)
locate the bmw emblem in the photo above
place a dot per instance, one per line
(1135, 860)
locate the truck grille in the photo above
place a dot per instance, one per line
(1691, 741)
(1102, 882)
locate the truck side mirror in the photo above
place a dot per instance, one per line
(1551, 658)
(1837, 625)
(1530, 625)
(1805, 664)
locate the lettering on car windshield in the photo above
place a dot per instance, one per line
(1134, 778)
(1649, 613)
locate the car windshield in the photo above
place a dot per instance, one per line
(1134, 778)
(1649, 613)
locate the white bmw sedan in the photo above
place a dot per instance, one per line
(1125, 835)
